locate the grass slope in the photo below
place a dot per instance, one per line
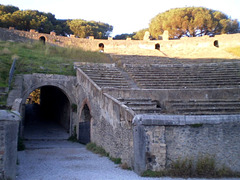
(39, 58)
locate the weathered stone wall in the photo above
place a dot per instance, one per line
(9, 124)
(163, 139)
(127, 46)
(111, 125)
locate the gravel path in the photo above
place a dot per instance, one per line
(63, 160)
(49, 156)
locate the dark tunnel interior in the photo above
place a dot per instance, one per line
(53, 106)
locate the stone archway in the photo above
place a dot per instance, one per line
(42, 39)
(101, 47)
(52, 113)
(157, 46)
(215, 43)
(84, 128)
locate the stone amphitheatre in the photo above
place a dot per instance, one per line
(161, 101)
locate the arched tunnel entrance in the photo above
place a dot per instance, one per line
(84, 136)
(42, 39)
(47, 111)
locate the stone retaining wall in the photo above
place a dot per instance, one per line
(161, 140)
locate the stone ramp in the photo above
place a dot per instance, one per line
(205, 75)
(203, 107)
(141, 106)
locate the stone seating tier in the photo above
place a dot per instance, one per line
(105, 76)
(142, 106)
(185, 76)
(201, 107)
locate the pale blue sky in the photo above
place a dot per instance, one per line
(126, 16)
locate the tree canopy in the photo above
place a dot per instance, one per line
(83, 29)
(192, 22)
(7, 9)
(46, 22)
(124, 36)
(140, 34)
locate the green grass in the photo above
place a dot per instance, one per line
(96, 149)
(234, 50)
(38, 58)
(99, 150)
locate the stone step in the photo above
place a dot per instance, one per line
(113, 86)
(207, 113)
(170, 69)
(199, 81)
(214, 106)
(186, 77)
(179, 83)
(111, 83)
(203, 100)
(147, 111)
(190, 84)
(106, 78)
(209, 109)
(141, 105)
(104, 75)
(190, 87)
(134, 100)
(145, 105)
(206, 104)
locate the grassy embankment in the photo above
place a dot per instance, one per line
(234, 50)
(39, 58)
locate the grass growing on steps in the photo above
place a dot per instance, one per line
(38, 58)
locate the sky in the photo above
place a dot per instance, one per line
(126, 16)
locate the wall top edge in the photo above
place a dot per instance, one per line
(6, 115)
(182, 120)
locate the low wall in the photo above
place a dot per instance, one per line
(9, 124)
(161, 140)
